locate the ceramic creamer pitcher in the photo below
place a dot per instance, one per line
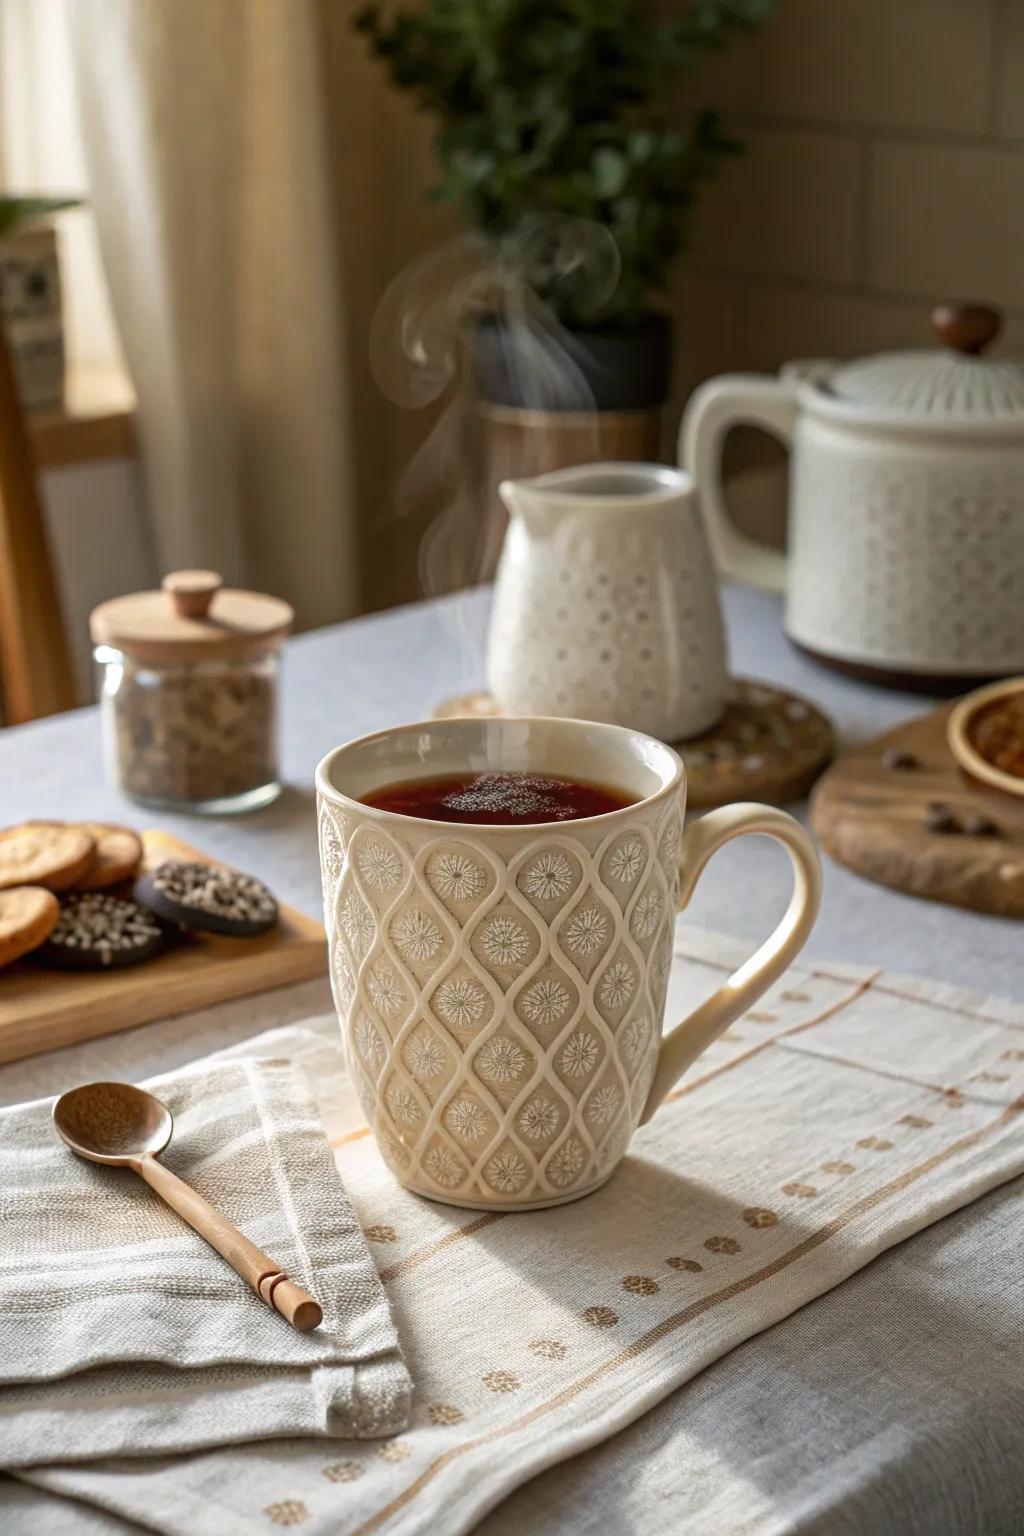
(606, 602)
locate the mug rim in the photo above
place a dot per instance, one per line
(336, 796)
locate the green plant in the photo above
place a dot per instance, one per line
(20, 210)
(561, 107)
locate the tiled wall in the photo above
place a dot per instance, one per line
(884, 173)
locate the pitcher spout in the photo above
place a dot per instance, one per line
(527, 500)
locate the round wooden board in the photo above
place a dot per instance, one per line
(871, 818)
(769, 745)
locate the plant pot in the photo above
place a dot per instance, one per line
(549, 400)
(32, 314)
(586, 369)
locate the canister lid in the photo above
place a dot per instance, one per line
(193, 617)
(956, 386)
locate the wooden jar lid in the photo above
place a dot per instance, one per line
(192, 618)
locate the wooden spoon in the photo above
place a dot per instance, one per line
(124, 1127)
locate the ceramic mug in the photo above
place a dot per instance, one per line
(501, 988)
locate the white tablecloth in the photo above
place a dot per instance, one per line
(907, 1416)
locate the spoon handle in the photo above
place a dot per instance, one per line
(267, 1279)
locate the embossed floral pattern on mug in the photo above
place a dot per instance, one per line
(462, 1004)
(549, 878)
(416, 936)
(617, 984)
(467, 1118)
(539, 1118)
(443, 1166)
(427, 1059)
(379, 865)
(456, 877)
(506, 942)
(625, 863)
(507, 1172)
(604, 1104)
(369, 1043)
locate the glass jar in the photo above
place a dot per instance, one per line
(188, 695)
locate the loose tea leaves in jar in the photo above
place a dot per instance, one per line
(189, 692)
(195, 734)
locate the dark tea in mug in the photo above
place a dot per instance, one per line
(498, 799)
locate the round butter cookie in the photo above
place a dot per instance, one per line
(28, 914)
(56, 854)
(118, 855)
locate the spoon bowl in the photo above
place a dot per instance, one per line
(125, 1127)
(112, 1123)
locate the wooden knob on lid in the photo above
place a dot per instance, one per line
(192, 592)
(967, 328)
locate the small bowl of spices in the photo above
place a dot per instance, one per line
(188, 691)
(985, 733)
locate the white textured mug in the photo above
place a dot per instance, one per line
(501, 988)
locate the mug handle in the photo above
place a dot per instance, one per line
(683, 1044)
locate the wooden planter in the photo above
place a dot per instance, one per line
(623, 379)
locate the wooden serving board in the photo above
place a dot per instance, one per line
(42, 1009)
(872, 819)
(770, 744)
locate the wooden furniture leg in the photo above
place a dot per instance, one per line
(35, 668)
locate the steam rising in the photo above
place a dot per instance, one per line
(421, 346)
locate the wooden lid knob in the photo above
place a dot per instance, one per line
(192, 592)
(967, 328)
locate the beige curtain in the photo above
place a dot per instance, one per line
(207, 144)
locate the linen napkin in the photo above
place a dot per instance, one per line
(122, 1331)
(844, 1113)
